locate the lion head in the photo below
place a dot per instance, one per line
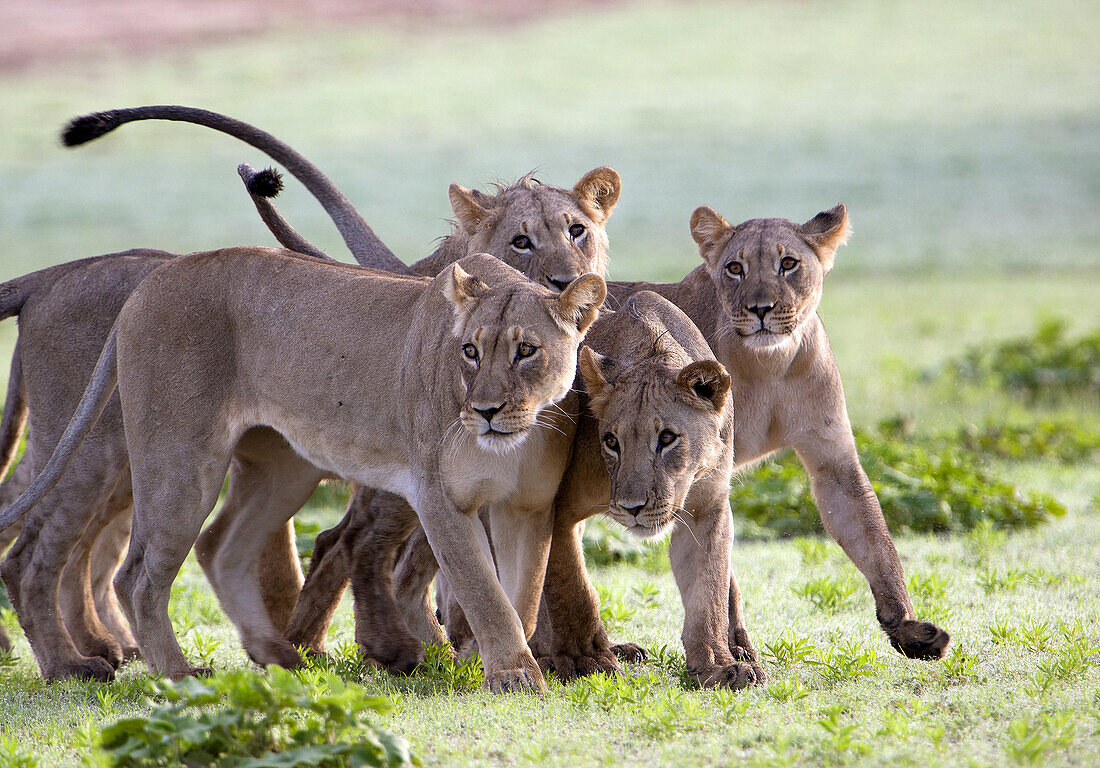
(664, 422)
(552, 235)
(517, 342)
(769, 272)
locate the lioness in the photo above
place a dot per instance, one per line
(766, 277)
(492, 349)
(93, 292)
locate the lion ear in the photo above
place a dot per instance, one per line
(580, 302)
(826, 232)
(469, 212)
(598, 191)
(464, 291)
(706, 380)
(596, 370)
(707, 230)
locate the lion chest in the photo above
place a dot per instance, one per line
(527, 476)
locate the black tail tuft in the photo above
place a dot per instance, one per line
(88, 127)
(266, 183)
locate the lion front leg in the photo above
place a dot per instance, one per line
(851, 514)
(700, 555)
(498, 629)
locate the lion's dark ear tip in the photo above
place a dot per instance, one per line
(85, 128)
(266, 183)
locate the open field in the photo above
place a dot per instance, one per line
(965, 140)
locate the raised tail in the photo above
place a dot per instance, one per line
(94, 400)
(367, 248)
(262, 186)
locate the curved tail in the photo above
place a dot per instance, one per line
(367, 248)
(262, 186)
(94, 400)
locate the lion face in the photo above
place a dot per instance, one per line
(550, 234)
(660, 429)
(768, 272)
(517, 345)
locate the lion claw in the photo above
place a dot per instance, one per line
(514, 681)
(92, 668)
(734, 676)
(630, 653)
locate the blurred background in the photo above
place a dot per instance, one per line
(964, 138)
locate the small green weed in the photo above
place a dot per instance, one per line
(670, 713)
(1035, 636)
(787, 690)
(826, 594)
(1001, 631)
(12, 754)
(959, 667)
(614, 610)
(789, 649)
(991, 580)
(846, 662)
(814, 551)
(1030, 741)
(842, 734)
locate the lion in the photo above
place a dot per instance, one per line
(492, 349)
(755, 299)
(654, 451)
(94, 291)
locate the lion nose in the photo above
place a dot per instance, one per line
(489, 413)
(634, 509)
(559, 282)
(761, 309)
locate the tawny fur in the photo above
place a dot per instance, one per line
(310, 373)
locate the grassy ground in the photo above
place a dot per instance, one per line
(962, 137)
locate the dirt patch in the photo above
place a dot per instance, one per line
(36, 34)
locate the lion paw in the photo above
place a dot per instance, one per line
(515, 681)
(90, 668)
(630, 653)
(735, 676)
(569, 666)
(919, 640)
(748, 656)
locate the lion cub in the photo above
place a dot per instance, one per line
(444, 402)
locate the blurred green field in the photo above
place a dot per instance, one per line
(965, 140)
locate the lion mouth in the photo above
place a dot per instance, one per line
(649, 525)
(500, 442)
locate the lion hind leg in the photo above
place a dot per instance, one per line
(107, 555)
(173, 495)
(263, 497)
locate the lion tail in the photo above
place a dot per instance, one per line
(94, 400)
(367, 248)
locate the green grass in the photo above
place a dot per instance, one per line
(963, 138)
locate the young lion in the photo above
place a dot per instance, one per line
(94, 290)
(766, 277)
(491, 349)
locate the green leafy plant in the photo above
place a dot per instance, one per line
(614, 610)
(12, 754)
(959, 666)
(1041, 366)
(787, 690)
(923, 487)
(1029, 741)
(991, 580)
(789, 649)
(1035, 636)
(826, 594)
(846, 662)
(246, 719)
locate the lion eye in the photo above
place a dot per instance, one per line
(611, 443)
(521, 243)
(470, 351)
(525, 350)
(788, 263)
(577, 231)
(667, 437)
(735, 268)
